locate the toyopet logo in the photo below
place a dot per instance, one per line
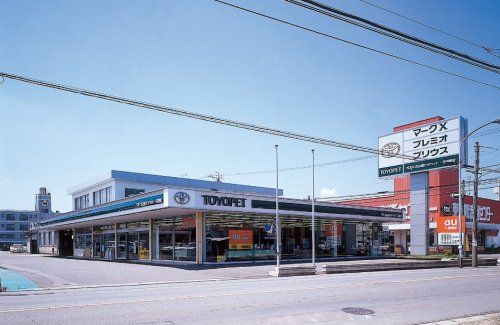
(181, 198)
(390, 150)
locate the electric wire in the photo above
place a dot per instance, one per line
(486, 48)
(393, 33)
(197, 116)
(384, 194)
(486, 133)
(479, 134)
(336, 162)
(358, 45)
(389, 199)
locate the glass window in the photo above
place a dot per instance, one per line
(82, 202)
(102, 196)
(10, 216)
(83, 242)
(175, 239)
(96, 198)
(122, 246)
(185, 239)
(10, 226)
(23, 217)
(233, 238)
(133, 191)
(164, 239)
(133, 245)
(144, 245)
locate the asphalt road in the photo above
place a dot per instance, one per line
(397, 297)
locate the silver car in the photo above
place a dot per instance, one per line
(18, 248)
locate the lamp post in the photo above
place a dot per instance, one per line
(460, 199)
(313, 239)
(278, 226)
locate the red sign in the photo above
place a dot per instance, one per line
(188, 222)
(449, 224)
(333, 230)
(240, 239)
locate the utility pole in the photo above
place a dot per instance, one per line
(474, 204)
(460, 214)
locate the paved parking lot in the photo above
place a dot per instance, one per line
(49, 271)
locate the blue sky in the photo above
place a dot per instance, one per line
(208, 58)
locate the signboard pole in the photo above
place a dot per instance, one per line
(419, 221)
(278, 226)
(461, 191)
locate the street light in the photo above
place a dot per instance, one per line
(277, 221)
(460, 203)
(313, 220)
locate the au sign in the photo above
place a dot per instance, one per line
(449, 224)
(448, 229)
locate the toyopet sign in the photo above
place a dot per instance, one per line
(431, 146)
(448, 230)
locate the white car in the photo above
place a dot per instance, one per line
(18, 248)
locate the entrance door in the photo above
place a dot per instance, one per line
(122, 246)
(144, 245)
(351, 247)
(133, 245)
(165, 243)
(66, 242)
(34, 246)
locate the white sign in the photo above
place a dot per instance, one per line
(431, 146)
(449, 239)
(484, 213)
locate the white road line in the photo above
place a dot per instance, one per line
(243, 293)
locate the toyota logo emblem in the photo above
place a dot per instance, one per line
(181, 198)
(390, 150)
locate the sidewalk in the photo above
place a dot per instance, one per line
(488, 319)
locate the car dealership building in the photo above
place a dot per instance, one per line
(134, 216)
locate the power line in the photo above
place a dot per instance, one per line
(357, 45)
(197, 116)
(300, 167)
(494, 165)
(393, 33)
(382, 194)
(487, 49)
(388, 199)
(486, 132)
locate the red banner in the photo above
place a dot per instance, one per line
(240, 239)
(333, 230)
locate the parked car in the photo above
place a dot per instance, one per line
(18, 248)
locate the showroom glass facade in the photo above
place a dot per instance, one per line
(252, 237)
(229, 237)
(174, 239)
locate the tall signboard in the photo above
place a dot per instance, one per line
(423, 148)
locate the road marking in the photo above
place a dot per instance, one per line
(231, 294)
